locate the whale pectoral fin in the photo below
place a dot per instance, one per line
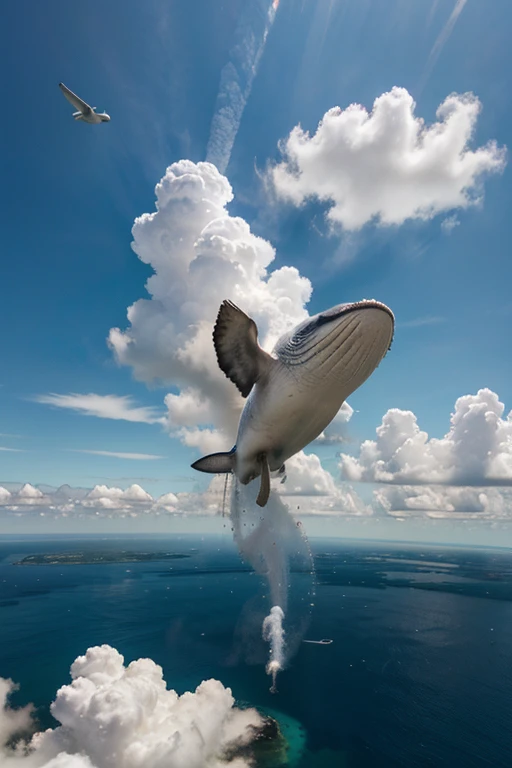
(216, 463)
(265, 482)
(239, 355)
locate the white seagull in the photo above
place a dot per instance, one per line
(294, 393)
(85, 112)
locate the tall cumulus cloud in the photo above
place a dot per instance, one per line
(201, 255)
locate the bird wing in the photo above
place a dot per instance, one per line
(239, 355)
(73, 99)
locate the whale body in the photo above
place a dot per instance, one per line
(295, 392)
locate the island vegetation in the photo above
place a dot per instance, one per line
(99, 557)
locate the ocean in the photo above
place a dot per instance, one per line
(418, 673)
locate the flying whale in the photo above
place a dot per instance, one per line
(295, 392)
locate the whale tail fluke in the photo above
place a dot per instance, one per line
(216, 463)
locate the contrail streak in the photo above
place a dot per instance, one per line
(441, 41)
(237, 78)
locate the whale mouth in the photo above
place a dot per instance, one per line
(342, 310)
(346, 342)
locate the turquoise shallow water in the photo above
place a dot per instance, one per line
(419, 671)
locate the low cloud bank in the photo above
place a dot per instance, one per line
(309, 489)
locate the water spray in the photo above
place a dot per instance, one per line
(273, 633)
(266, 539)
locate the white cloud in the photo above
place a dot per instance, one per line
(167, 501)
(26, 496)
(200, 256)
(116, 498)
(445, 502)
(28, 491)
(308, 486)
(11, 450)
(5, 495)
(315, 490)
(102, 500)
(117, 716)
(477, 449)
(103, 406)
(121, 455)
(388, 166)
(449, 224)
(305, 476)
(336, 432)
(13, 722)
(110, 501)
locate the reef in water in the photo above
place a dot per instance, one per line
(268, 748)
(279, 743)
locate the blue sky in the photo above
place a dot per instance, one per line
(73, 192)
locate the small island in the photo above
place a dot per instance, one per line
(99, 558)
(268, 747)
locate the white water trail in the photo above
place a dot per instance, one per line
(268, 538)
